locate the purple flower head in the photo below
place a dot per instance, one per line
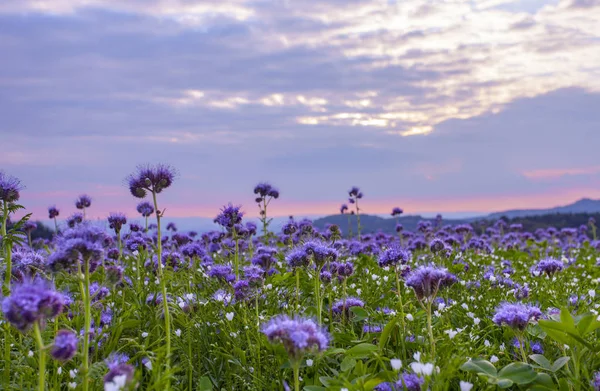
(136, 243)
(222, 272)
(116, 221)
(10, 188)
(135, 227)
(289, 228)
(326, 276)
(64, 346)
(145, 208)
(264, 190)
(426, 281)
(193, 250)
(230, 216)
(392, 256)
(343, 208)
(399, 227)
(30, 302)
(516, 315)
(149, 178)
(74, 219)
(320, 252)
(406, 382)
(171, 227)
(549, 266)
(297, 257)
(53, 212)
(521, 291)
(241, 290)
(114, 274)
(84, 201)
(298, 335)
(120, 377)
(596, 381)
(29, 226)
(345, 269)
(397, 211)
(254, 274)
(344, 305)
(437, 245)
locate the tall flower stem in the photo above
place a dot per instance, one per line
(163, 287)
(318, 295)
(401, 305)
(42, 357)
(296, 366)
(521, 347)
(236, 259)
(84, 286)
(55, 225)
(265, 221)
(6, 291)
(430, 328)
(297, 289)
(357, 218)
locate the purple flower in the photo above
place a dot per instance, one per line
(53, 212)
(297, 257)
(254, 274)
(29, 226)
(343, 208)
(120, 377)
(116, 221)
(596, 381)
(229, 217)
(145, 208)
(171, 227)
(516, 315)
(64, 346)
(152, 179)
(74, 219)
(397, 211)
(407, 382)
(264, 190)
(344, 305)
(549, 266)
(30, 302)
(426, 281)
(241, 290)
(222, 272)
(298, 335)
(345, 269)
(10, 188)
(84, 201)
(392, 256)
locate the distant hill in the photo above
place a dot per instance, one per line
(584, 205)
(572, 215)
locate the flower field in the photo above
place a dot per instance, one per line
(136, 304)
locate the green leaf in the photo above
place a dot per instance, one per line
(559, 363)
(360, 314)
(204, 384)
(502, 383)
(543, 379)
(518, 372)
(541, 361)
(347, 364)
(587, 324)
(480, 366)
(362, 349)
(325, 380)
(387, 330)
(314, 388)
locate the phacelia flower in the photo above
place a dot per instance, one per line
(148, 178)
(74, 219)
(31, 302)
(10, 188)
(298, 335)
(393, 255)
(120, 377)
(516, 315)
(145, 208)
(343, 305)
(264, 190)
(426, 281)
(64, 346)
(53, 212)
(229, 217)
(549, 266)
(84, 201)
(116, 221)
(397, 211)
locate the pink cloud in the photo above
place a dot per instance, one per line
(553, 173)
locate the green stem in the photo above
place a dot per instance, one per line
(297, 289)
(401, 305)
(84, 286)
(318, 295)
(430, 329)
(42, 357)
(120, 244)
(296, 365)
(7, 250)
(163, 288)
(521, 347)
(56, 225)
(236, 256)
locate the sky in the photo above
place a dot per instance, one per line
(433, 106)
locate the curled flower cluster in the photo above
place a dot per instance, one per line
(298, 335)
(10, 188)
(549, 266)
(516, 315)
(31, 302)
(116, 221)
(84, 201)
(426, 281)
(392, 256)
(64, 346)
(150, 178)
(145, 208)
(344, 305)
(265, 190)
